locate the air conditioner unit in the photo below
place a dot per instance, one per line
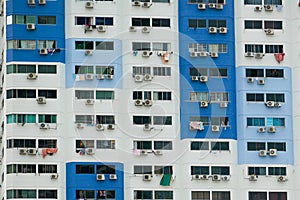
(43, 51)
(203, 79)
(42, 2)
(138, 78)
(223, 104)
(32, 76)
(147, 102)
(146, 29)
(216, 177)
(257, 8)
(214, 54)
(89, 102)
(223, 30)
(197, 177)
(44, 126)
(138, 102)
(277, 104)
(158, 152)
(148, 77)
(212, 30)
(193, 54)
(22, 151)
(100, 177)
(109, 76)
(212, 5)
(263, 153)
(30, 26)
(225, 178)
(250, 79)
(79, 125)
(203, 104)
(89, 4)
(136, 3)
(281, 179)
(146, 53)
(273, 152)
(203, 54)
(99, 127)
(89, 76)
(270, 104)
(215, 128)
(31, 151)
(253, 177)
(271, 129)
(259, 55)
(41, 100)
(201, 6)
(146, 4)
(54, 176)
(31, 2)
(147, 177)
(100, 76)
(249, 54)
(132, 28)
(203, 177)
(90, 151)
(113, 177)
(194, 78)
(261, 82)
(147, 127)
(110, 127)
(261, 129)
(219, 6)
(268, 8)
(89, 52)
(101, 28)
(269, 32)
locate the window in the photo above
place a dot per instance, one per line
(85, 194)
(48, 44)
(254, 73)
(18, 93)
(277, 195)
(107, 21)
(141, 120)
(21, 44)
(142, 95)
(277, 171)
(85, 169)
(140, 70)
(162, 145)
(47, 69)
(160, 1)
(161, 46)
(256, 146)
(20, 68)
(197, 23)
(103, 45)
(161, 71)
(105, 119)
(196, 1)
(162, 96)
(275, 97)
(252, 2)
(21, 118)
(105, 95)
(47, 118)
(143, 194)
(156, 22)
(273, 2)
(49, 94)
(216, 23)
(48, 194)
(21, 168)
(280, 146)
(194, 47)
(253, 24)
(220, 146)
(259, 171)
(21, 143)
(224, 121)
(255, 98)
(273, 24)
(87, 45)
(163, 169)
(199, 170)
(46, 19)
(221, 195)
(162, 120)
(105, 70)
(217, 1)
(198, 96)
(219, 96)
(106, 169)
(84, 94)
(86, 119)
(255, 48)
(20, 194)
(140, 21)
(142, 145)
(218, 48)
(80, 69)
(142, 169)
(141, 46)
(200, 195)
(274, 73)
(85, 144)
(257, 195)
(196, 146)
(47, 143)
(220, 170)
(47, 169)
(106, 194)
(275, 121)
(163, 195)
(202, 119)
(198, 71)
(255, 121)
(218, 73)
(23, 19)
(106, 144)
(274, 48)
(83, 20)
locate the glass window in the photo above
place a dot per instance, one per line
(220, 170)
(140, 21)
(254, 73)
(200, 195)
(162, 120)
(85, 144)
(108, 21)
(220, 146)
(274, 48)
(46, 19)
(255, 121)
(273, 24)
(106, 144)
(277, 171)
(105, 95)
(255, 48)
(253, 24)
(141, 46)
(280, 146)
(48, 194)
(162, 71)
(162, 145)
(255, 98)
(85, 169)
(257, 195)
(221, 195)
(49, 169)
(105, 119)
(102, 45)
(142, 169)
(156, 22)
(163, 195)
(142, 145)
(84, 94)
(275, 73)
(253, 2)
(199, 170)
(49, 94)
(46, 69)
(259, 171)
(196, 146)
(141, 120)
(256, 146)
(275, 121)
(275, 97)
(87, 119)
(197, 23)
(106, 169)
(218, 72)
(143, 194)
(163, 169)
(162, 96)
(87, 45)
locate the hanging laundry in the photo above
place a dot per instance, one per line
(279, 8)
(137, 152)
(166, 180)
(197, 125)
(165, 57)
(279, 57)
(49, 151)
